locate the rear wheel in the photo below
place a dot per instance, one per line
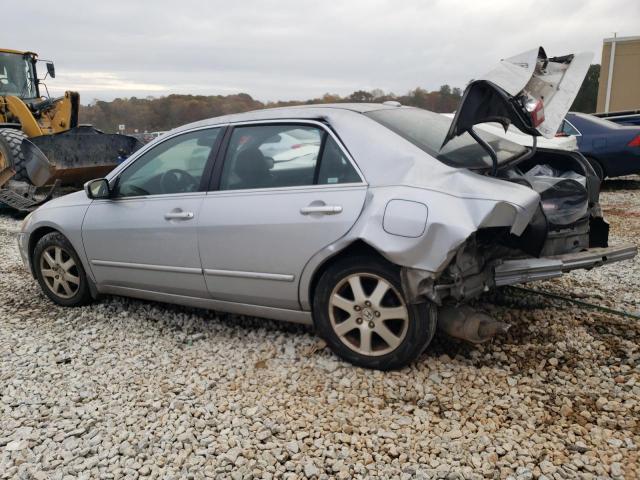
(60, 272)
(11, 152)
(361, 313)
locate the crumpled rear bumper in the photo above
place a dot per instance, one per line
(510, 272)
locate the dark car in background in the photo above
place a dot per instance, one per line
(612, 149)
(627, 117)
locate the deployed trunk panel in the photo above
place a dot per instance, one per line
(529, 90)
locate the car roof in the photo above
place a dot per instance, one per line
(385, 162)
(311, 111)
(355, 107)
(389, 161)
(595, 122)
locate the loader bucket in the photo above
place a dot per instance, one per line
(75, 156)
(39, 170)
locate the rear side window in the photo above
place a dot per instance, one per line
(335, 167)
(276, 156)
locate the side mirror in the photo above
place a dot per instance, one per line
(97, 189)
(51, 69)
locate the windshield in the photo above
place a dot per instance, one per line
(17, 76)
(427, 130)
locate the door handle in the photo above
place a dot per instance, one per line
(178, 215)
(321, 209)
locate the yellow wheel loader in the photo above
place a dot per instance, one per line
(43, 149)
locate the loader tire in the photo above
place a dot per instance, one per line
(11, 147)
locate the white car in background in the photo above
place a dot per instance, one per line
(291, 145)
(568, 143)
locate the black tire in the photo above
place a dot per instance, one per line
(597, 167)
(11, 147)
(416, 332)
(81, 294)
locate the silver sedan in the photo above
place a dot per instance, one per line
(374, 225)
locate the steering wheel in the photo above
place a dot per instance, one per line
(177, 181)
(136, 191)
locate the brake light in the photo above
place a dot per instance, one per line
(635, 142)
(536, 111)
(561, 134)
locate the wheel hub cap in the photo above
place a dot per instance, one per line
(368, 315)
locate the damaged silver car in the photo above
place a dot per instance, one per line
(373, 222)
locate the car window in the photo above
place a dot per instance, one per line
(427, 131)
(173, 166)
(273, 156)
(335, 167)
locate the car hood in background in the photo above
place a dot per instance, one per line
(502, 94)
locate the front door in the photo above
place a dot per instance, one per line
(285, 191)
(145, 236)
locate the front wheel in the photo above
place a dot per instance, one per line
(360, 311)
(11, 152)
(59, 271)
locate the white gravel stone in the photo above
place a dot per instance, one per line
(310, 470)
(16, 445)
(293, 447)
(616, 470)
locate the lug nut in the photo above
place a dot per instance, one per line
(357, 308)
(371, 324)
(376, 313)
(358, 320)
(367, 303)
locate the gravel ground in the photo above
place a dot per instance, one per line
(129, 389)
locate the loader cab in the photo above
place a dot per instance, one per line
(18, 75)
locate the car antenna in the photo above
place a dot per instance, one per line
(534, 146)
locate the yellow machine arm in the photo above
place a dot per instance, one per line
(59, 115)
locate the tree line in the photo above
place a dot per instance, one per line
(164, 113)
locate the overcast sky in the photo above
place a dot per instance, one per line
(296, 49)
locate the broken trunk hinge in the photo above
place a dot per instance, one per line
(488, 148)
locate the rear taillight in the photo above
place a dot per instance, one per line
(635, 142)
(535, 107)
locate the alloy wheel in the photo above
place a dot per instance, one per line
(368, 314)
(59, 271)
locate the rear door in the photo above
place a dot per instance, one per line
(282, 192)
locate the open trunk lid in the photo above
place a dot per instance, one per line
(529, 90)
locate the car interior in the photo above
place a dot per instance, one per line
(174, 166)
(177, 165)
(246, 166)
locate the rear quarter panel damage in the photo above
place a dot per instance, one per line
(450, 220)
